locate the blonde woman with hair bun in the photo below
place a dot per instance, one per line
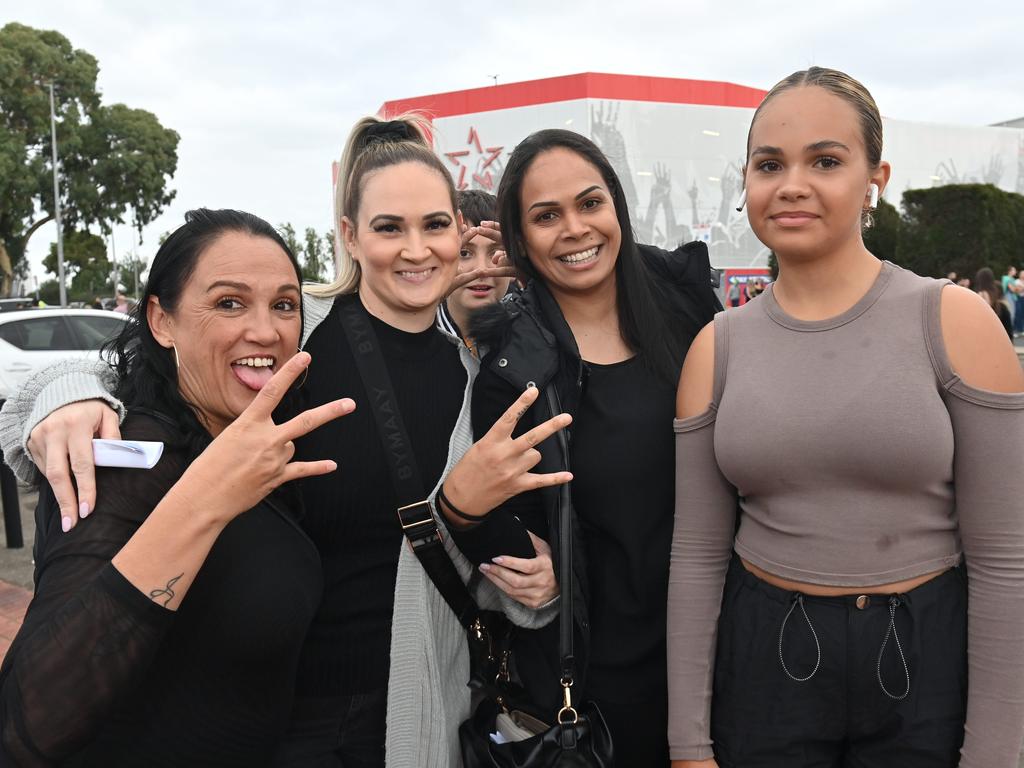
(383, 673)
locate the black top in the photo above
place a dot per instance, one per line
(622, 456)
(351, 513)
(99, 674)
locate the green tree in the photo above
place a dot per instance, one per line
(115, 160)
(130, 267)
(287, 232)
(882, 236)
(85, 260)
(316, 251)
(960, 228)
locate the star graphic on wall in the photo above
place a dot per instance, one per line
(485, 157)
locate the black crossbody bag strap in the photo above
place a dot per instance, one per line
(414, 515)
(567, 657)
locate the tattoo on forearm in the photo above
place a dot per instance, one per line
(166, 593)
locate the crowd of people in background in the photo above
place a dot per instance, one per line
(1005, 295)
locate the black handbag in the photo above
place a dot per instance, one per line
(576, 735)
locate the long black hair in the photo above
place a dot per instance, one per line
(146, 371)
(639, 299)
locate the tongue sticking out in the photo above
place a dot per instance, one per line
(253, 378)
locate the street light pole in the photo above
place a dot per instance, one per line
(56, 203)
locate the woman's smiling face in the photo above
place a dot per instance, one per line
(237, 321)
(406, 240)
(569, 225)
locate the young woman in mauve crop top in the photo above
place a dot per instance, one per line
(868, 608)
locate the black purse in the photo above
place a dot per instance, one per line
(576, 735)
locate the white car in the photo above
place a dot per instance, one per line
(32, 339)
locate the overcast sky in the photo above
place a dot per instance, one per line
(263, 94)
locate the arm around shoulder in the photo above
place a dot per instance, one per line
(977, 346)
(53, 387)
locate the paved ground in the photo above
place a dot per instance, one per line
(16, 574)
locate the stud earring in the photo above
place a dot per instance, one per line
(742, 201)
(873, 198)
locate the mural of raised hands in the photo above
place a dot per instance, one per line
(604, 128)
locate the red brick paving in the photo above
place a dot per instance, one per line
(13, 603)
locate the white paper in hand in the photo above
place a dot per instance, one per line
(132, 454)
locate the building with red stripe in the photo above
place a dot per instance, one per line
(678, 146)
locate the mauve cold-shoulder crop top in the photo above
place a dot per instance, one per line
(854, 456)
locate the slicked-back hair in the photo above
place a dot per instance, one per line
(846, 88)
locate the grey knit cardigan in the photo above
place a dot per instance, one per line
(427, 693)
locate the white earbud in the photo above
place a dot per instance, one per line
(742, 201)
(873, 191)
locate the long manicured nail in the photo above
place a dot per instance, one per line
(498, 560)
(65, 524)
(486, 223)
(485, 567)
(83, 510)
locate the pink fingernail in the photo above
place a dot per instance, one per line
(83, 510)
(65, 524)
(485, 567)
(498, 560)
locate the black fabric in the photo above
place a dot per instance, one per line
(350, 514)
(336, 732)
(840, 717)
(624, 492)
(414, 513)
(101, 675)
(577, 734)
(527, 339)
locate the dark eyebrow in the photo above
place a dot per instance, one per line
(386, 217)
(241, 287)
(766, 150)
(436, 214)
(826, 144)
(585, 192)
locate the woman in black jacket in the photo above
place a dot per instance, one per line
(606, 322)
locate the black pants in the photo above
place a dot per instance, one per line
(336, 732)
(840, 716)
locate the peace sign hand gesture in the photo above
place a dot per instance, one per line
(253, 455)
(500, 265)
(497, 466)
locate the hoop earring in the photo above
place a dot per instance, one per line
(177, 360)
(742, 201)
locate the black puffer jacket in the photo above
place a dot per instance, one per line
(527, 339)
